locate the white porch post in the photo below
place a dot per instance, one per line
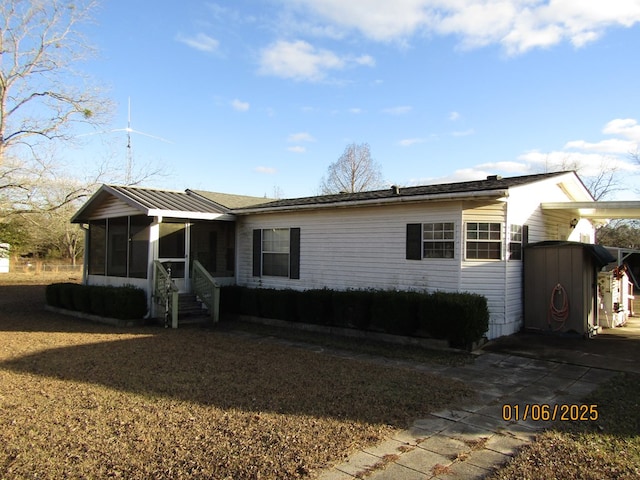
(154, 235)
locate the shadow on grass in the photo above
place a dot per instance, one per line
(230, 372)
(22, 309)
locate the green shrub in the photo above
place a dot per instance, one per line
(314, 306)
(433, 312)
(66, 295)
(230, 299)
(52, 295)
(97, 299)
(249, 302)
(460, 318)
(471, 320)
(395, 312)
(131, 302)
(124, 303)
(82, 298)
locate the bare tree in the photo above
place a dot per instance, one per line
(601, 184)
(354, 171)
(42, 96)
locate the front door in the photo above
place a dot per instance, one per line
(172, 252)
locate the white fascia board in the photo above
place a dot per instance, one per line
(189, 215)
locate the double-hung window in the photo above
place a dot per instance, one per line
(483, 241)
(438, 240)
(515, 242)
(276, 252)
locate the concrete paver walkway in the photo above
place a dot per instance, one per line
(469, 443)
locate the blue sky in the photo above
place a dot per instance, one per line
(259, 98)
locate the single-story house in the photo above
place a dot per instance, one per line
(465, 236)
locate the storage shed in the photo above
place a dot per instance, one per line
(561, 286)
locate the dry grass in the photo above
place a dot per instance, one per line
(79, 400)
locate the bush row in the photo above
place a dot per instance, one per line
(461, 318)
(123, 303)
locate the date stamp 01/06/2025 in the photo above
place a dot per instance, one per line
(541, 412)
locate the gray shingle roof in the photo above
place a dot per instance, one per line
(203, 204)
(231, 201)
(491, 183)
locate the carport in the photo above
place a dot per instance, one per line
(614, 348)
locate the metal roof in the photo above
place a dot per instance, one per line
(155, 199)
(152, 202)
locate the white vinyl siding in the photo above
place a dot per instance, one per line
(113, 207)
(486, 277)
(366, 247)
(356, 248)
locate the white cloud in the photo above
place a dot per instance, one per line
(297, 149)
(517, 25)
(627, 127)
(463, 133)
(400, 110)
(239, 105)
(265, 170)
(299, 60)
(365, 61)
(355, 110)
(301, 137)
(588, 158)
(201, 42)
(407, 142)
(453, 116)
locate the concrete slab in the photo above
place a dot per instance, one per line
(464, 471)
(358, 463)
(446, 446)
(431, 425)
(397, 472)
(422, 460)
(505, 444)
(487, 459)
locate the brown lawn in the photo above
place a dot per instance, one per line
(80, 400)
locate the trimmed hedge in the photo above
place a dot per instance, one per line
(123, 303)
(461, 318)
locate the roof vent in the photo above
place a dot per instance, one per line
(494, 177)
(395, 189)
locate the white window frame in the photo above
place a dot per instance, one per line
(280, 252)
(483, 234)
(439, 234)
(515, 238)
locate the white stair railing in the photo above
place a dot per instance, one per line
(206, 289)
(165, 293)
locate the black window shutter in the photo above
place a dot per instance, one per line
(294, 253)
(414, 241)
(257, 253)
(525, 235)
